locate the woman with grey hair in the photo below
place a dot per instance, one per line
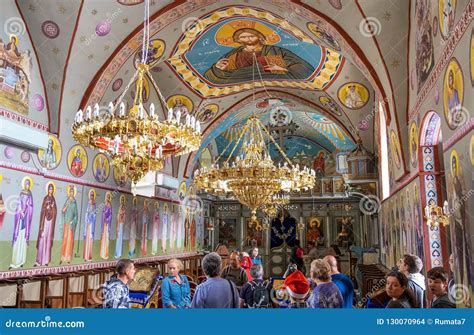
(256, 293)
(215, 292)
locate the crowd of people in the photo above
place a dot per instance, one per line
(241, 284)
(406, 286)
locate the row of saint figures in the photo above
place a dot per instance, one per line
(166, 231)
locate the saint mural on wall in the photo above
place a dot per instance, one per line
(155, 232)
(144, 237)
(133, 228)
(173, 229)
(15, 76)
(453, 95)
(254, 38)
(47, 224)
(314, 232)
(319, 164)
(50, 157)
(121, 217)
(22, 224)
(413, 144)
(395, 149)
(106, 223)
(120, 177)
(101, 168)
(322, 35)
(228, 232)
(353, 95)
(207, 113)
(446, 13)
(156, 48)
(90, 220)
(459, 226)
(180, 103)
(424, 51)
(77, 160)
(164, 232)
(69, 219)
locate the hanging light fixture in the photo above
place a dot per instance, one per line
(252, 177)
(136, 140)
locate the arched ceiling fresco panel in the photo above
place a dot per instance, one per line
(214, 56)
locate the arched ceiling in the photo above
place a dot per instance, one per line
(325, 45)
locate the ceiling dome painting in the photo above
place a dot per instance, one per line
(215, 56)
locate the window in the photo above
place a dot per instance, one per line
(384, 153)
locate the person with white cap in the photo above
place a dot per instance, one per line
(298, 288)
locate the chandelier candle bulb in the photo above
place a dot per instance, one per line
(193, 122)
(96, 110)
(88, 112)
(140, 111)
(170, 114)
(188, 120)
(149, 149)
(78, 118)
(111, 108)
(122, 109)
(152, 110)
(198, 127)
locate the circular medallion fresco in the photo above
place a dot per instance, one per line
(51, 157)
(353, 95)
(50, 29)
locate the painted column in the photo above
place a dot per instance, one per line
(429, 195)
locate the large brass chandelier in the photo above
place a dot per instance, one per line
(137, 141)
(252, 177)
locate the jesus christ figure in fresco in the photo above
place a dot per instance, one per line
(274, 62)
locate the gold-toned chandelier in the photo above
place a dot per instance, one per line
(137, 141)
(278, 200)
(252, 177)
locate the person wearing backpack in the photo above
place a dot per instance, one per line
(234, 272)
(256, 293)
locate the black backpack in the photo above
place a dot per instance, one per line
(261, 297)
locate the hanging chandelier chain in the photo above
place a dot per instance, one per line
(237, 143)
(146, 32)
(261, 78)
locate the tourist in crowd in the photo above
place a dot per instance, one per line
(246, 264)
(397, 289)
(234, 272)
(256, 293)
(438, 285)
(255, 257)
(296, 257)
(175, 288)
(410, 266)
(326, 294)
(342, 281)
(297, 287)
(215, 292)
(116, 292)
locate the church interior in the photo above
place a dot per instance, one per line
(298, 129)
